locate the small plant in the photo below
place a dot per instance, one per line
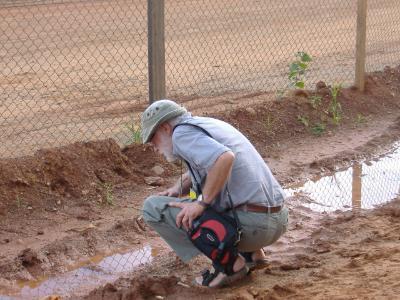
(318, 129)
(297, 70)
(280, 93)
(335, 108)
(135, 132)
(303, 120)
(19, 202)
(315, 101)
(360, 119)
(269, 123)
(108, 193)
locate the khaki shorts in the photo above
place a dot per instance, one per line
(259, 229)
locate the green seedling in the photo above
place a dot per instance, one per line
(18, 201)
(280, 93)
(303, 120)
(269, 123)
(297, 70)
(108, 190)
(315, 101)
(135, 133)
(335, 108)
(318, 129)
(360, 119)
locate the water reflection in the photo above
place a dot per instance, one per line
(364, 185)
(356, 187)
(98, 271)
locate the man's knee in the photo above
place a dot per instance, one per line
(150, 210)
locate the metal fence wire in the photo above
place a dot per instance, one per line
(74, 70)
(70, 71)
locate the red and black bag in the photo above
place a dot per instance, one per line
(216, 235)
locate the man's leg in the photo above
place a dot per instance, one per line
(261, 229)
(161, 218)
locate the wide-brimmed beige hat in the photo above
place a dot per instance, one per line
(157, 113)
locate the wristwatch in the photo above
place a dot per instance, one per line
(201, 202)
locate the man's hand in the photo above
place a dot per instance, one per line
(171, 192)
(189, 212)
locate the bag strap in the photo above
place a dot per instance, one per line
(198, 184)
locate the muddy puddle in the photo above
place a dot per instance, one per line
(86, 276)
(362, 186)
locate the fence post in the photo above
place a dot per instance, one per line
(361, 44)
(156, 49)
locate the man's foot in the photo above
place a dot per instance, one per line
(255, 260)
(220, 279)
(258, 255)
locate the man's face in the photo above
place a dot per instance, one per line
(162, 142)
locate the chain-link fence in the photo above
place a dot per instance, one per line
(74, 70)
(70, 71)
(383, 39)
(246, 46)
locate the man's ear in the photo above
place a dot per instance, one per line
(167, 128)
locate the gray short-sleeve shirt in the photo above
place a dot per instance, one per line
(251, 180)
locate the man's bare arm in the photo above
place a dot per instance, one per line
(175, 190)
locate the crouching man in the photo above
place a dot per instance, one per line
(229, 178)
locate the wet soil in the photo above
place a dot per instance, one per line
(352, 255)
(64, 205)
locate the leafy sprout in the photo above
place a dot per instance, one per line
(315, 101)
(108, 193)
(335, 107)
(298, 68)
(303, 120)
(135, 133)
(318, 129)
(360, 119)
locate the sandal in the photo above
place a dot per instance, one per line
(207, 277)
(254, 264)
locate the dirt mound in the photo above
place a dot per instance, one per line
(78, 172)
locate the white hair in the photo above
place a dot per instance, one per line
(175, 121)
